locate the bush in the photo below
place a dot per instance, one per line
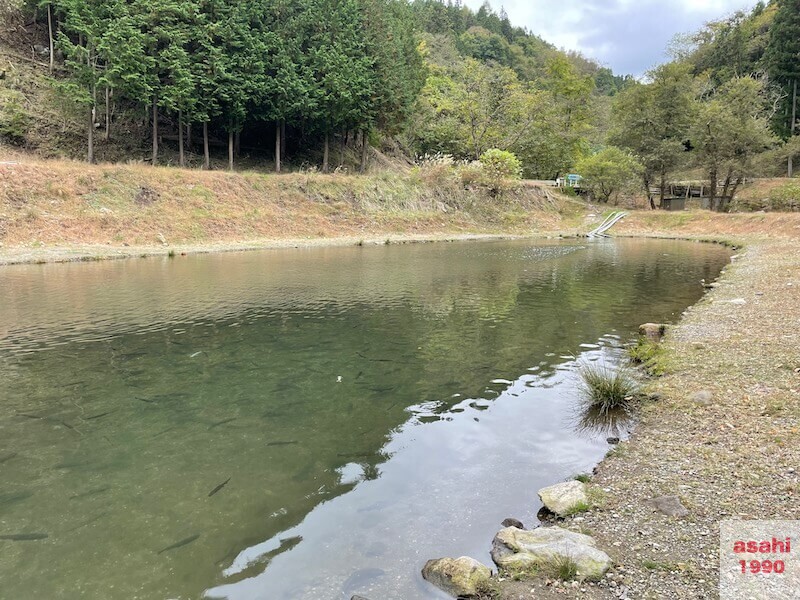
(14, 120)
(608, 173)
(497, 170)
(785, 197)
(607, 389)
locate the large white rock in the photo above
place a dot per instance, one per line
(462, 576)
(514, 548)
(562, 498)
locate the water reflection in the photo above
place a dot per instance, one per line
(361, 409)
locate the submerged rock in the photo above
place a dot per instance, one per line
(670, 506)
(562, 498)
(462, 576)
(514, 548)
(511, 522)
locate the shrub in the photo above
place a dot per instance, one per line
(608, 173)
(500, 170)
(14, 120)
(785, 197)
(435, 169)
(607, 389)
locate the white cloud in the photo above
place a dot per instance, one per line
(630, 36)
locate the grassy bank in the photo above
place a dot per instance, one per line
(60, 208)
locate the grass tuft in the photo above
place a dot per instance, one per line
(650, 356)
(560, 567)
(607, 389)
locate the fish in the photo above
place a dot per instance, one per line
(183, 542)
(218, 423)
(360, 373)
(29, 416)
(92, 492)
(7, 457)
(380, 389)
(23, 537)
(148, 400)
(108, 412)
(282, 443)
(355, 454)
(87, 522)
(11, 497)
(219, 487)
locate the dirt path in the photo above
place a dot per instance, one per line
(736, 457)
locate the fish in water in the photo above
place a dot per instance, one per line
(282, 443)
(148, 400)
(23, 537)
(11, 497)
(98, 416)
(7, 457)
(92, 492)
(219, 487)
(218, 423)
(181, 543)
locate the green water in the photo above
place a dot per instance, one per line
(302, 423)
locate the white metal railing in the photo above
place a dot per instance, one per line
(608, 223)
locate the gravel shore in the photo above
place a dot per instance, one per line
(735, 456)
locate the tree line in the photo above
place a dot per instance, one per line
(726, 104)
(318, 66)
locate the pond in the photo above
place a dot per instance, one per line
(303, 423)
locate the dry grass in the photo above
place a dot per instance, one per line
(67, 203)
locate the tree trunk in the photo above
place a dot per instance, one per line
(155, 130)
(181, 159)
(342, 144)
(90, 137)
(277, 147)
(108, 114)
(206, 156)
(325, 154)
(50, 35)
(230, 150)
(364, 150)
(736, 185)
(790, 162)
(712, 187)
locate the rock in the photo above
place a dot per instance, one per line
(357, 597)
(514, 548)
(612, 440)
(670, 506)
(462, 576)
(511, 522)
(653, 331)
(561, 498)
(703, 397)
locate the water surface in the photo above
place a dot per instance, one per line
(303, 424)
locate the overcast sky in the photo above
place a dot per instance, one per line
(630, 36)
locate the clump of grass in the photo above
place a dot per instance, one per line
(560, 567)
(650, 355)
(577, 508)
(583, 477)
(607, 389)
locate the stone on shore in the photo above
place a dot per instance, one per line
(562, 498)
(670, 506)
(511, 522)
(703, 397)
(653, 331)
(514, 548)
(462, 576)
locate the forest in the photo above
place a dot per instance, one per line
(305, 83)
